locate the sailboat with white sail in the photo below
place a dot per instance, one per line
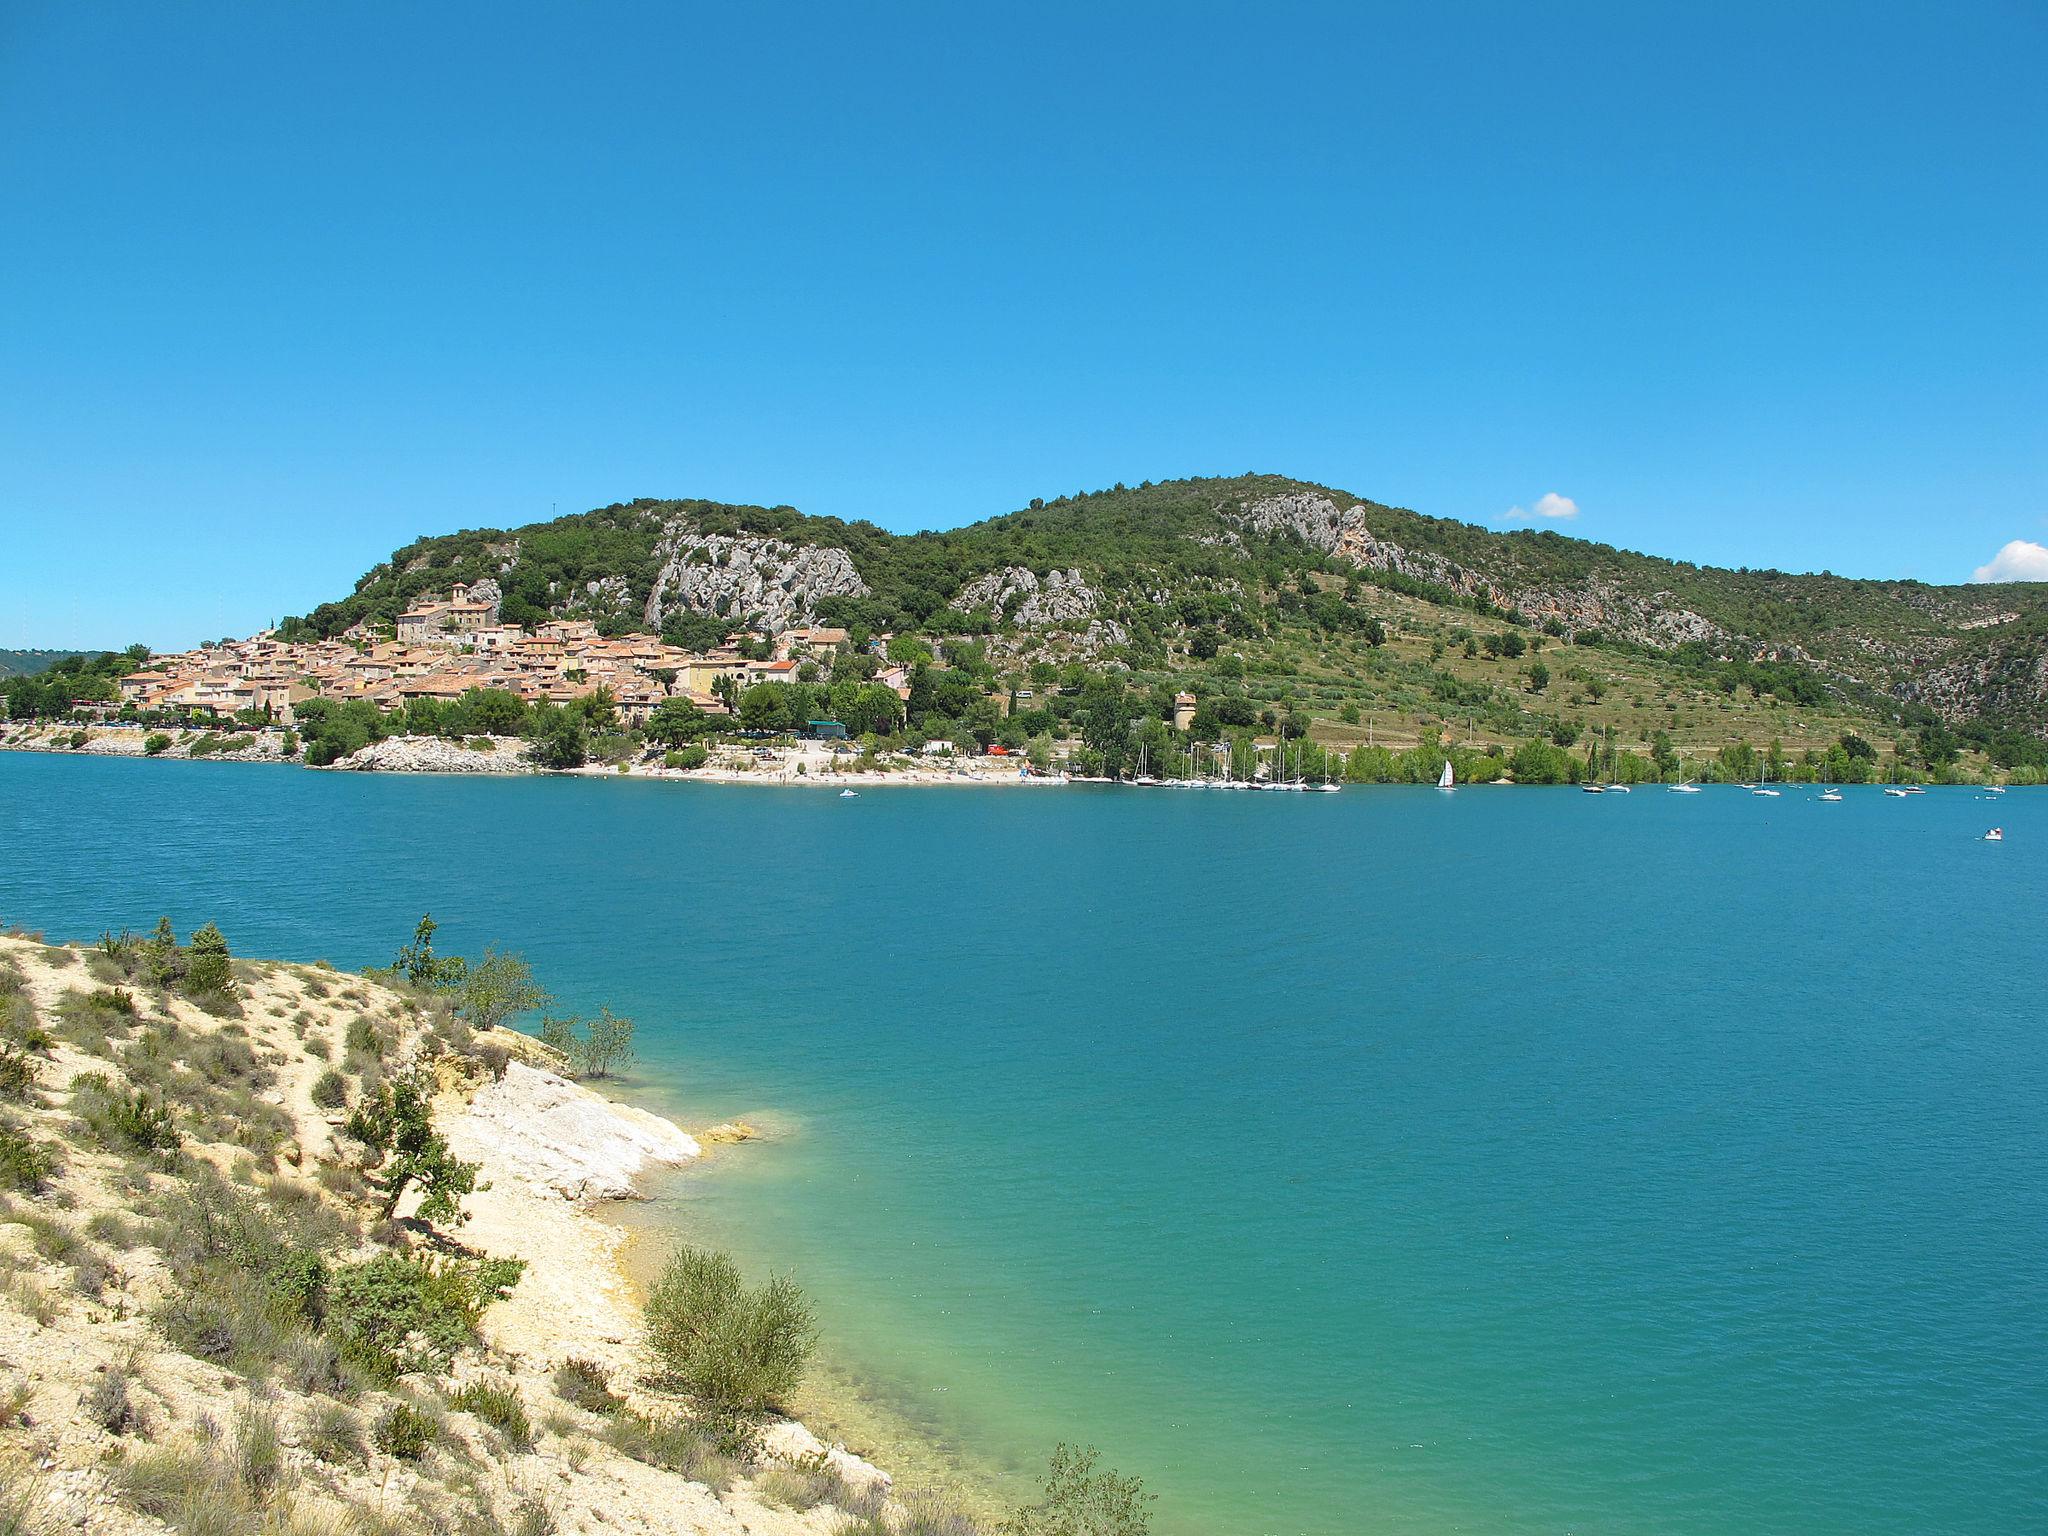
(1447, 779)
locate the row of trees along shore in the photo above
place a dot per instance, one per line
(1093, 721)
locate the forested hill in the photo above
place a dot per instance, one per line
(1163, 575)
(22, 663)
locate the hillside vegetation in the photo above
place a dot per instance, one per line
(1357, 616)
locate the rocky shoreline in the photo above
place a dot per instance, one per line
(121, 1413)
(806, 765)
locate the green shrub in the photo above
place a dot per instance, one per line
(396, 1313)
(330, 1090)
(79, 739)
(583, 1384)
(361, 1034)
(333, 1434)
(498, 1405)
(124, 1120)
(25, 1166)
(18, 1073)
(404, 1432)
(155, 743)
(687, 758)
(738, 1349)
(1080, 1501)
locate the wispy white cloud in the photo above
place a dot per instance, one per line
(2020, 560)
(1549, 507)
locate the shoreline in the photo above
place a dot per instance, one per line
(567, 1163)
(560, 1165)
(838, 1411)
(837, 1403)
(790, 767)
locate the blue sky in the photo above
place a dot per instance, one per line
(284, 286)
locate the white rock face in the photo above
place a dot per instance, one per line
(1593, 604)
(432, 754)
(543, 1128)
(1062, 600)
(1341, 531)
(1017, 594)
(780, 582)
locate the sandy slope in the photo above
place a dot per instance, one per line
(551, 1152)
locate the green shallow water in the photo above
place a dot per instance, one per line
(1513, 1160)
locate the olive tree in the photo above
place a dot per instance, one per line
(495, 988)
(395, 1123)
(740, 1349)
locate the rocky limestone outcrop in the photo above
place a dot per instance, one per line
(489, 593)
(1060, 600)
(1017, 593)
(2006, 680)
(779, 583)
(1600, 604)
(431, 754)
(1342, 533)
(546, 1129)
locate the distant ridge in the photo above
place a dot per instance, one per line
(1152, 574)
(22, 663)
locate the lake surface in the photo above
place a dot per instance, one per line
(1514, 1160)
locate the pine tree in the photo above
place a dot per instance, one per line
(209, 973)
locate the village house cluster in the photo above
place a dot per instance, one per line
(445, 646)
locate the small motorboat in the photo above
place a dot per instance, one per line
(1897, 794)
(1617, 789)
(1687, 788)
(1765, 789)
(1593, 789)
(1995, 835)
(1831, 794)
(849, 794)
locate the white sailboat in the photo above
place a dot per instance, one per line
(1687, 788)
(1446, 779)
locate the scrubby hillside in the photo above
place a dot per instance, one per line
(248, 1284)
(1161, 577)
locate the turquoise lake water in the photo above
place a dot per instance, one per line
(1505, 1161)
